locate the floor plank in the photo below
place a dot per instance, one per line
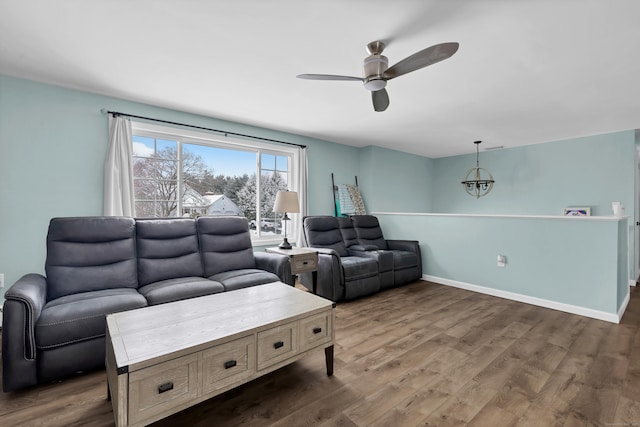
(422, 354)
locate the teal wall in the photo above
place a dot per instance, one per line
(396, 181)
(53, 143)
(570, 261)
(543, 179)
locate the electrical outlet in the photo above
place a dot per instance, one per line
(502, 260)
(1, 280)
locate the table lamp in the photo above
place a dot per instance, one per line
(286, 201)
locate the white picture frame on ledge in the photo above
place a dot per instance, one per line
(577, 211)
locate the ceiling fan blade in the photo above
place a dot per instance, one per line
(380, 99)
(424, 58)
(327, 77)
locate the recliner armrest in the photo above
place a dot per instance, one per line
(330, 281)
(275, 263)
(407, 245)
(404, 245)
(31, 291)
(325, 251)
(22, 307)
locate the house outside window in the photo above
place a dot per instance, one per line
(181, 173)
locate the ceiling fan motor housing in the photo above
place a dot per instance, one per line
(374, 67)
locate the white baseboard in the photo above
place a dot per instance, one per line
(568, 308)
(632, 282)
(623, 307)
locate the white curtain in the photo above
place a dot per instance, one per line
(301, 186)
(118, 169)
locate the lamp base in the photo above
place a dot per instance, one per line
(285, 244)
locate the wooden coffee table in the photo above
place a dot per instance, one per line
(165, 358)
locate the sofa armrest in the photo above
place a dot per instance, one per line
(407, 245)
(22, 307)
(404, 245)
(330, 281)
(326, 251)
(275, 263)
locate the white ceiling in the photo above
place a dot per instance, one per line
(527, 71)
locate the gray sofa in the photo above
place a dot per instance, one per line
(54, 326)
(354, 258)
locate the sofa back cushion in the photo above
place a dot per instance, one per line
(89, 254)
(324, 232)
(225, 244)
(347, 231)
(167, 249)
(368, 231)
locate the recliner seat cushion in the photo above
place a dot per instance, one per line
(90, 254)
(82, 316)
(358, 267)
(167, 249)
(178, 289)
(244, 278)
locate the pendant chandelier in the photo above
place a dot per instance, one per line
(478, 182)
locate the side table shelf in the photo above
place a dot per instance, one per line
(302, 260)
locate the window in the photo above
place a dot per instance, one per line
(184, 173)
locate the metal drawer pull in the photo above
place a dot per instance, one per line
(278, 344)
(317, 330)
(305, 262)
(230, 364)
(165, 387)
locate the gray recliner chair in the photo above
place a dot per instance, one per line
(383, 258)
(341, 274)
(55, 326)
(406, 256)
(228, 256)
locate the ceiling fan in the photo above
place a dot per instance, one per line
(376, 73)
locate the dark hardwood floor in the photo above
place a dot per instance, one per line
(422, 354)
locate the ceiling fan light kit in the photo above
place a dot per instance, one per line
(377, 72)
(474, 183)
(374, 67)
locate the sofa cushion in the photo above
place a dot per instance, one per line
(324, 232)
(359, 267)
(180, 288)
(167, 249)
(225, 243)
(82, 316)
(90, 253)
(368, 231)
(244, 278)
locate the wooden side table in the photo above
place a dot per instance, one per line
(302, 260)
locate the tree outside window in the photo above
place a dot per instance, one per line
(175, 178)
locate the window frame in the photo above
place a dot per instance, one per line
(204, 138)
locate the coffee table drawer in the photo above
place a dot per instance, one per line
(162, 387)
(316, 330)
(228, 363)
(277, 344)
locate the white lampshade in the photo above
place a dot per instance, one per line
(286, 201)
